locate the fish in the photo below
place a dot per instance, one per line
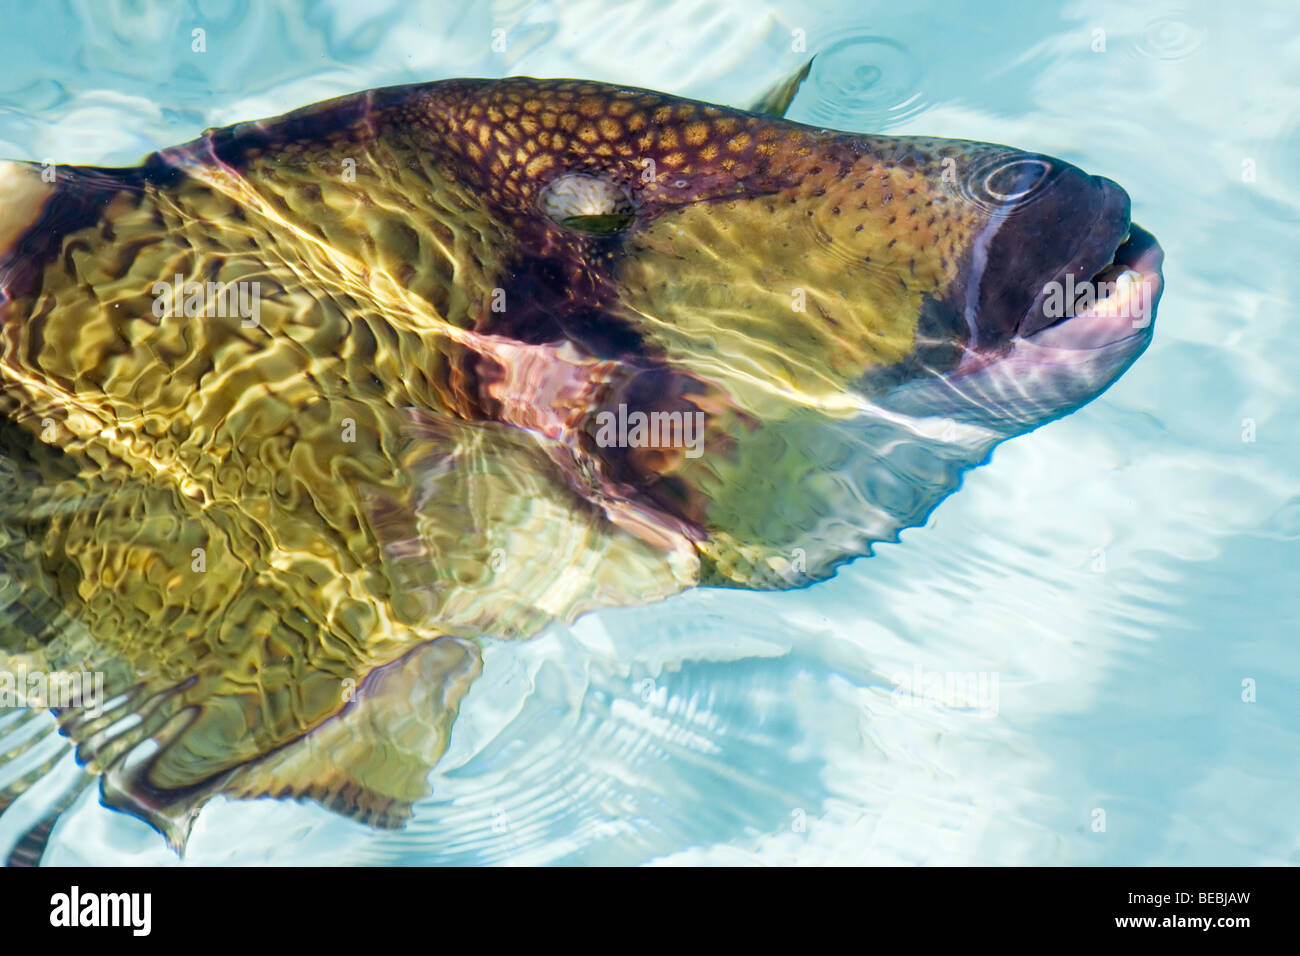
(295, 416)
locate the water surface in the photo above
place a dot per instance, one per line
(1122, 574)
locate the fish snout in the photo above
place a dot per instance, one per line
(1054, 228)
(1059, 299)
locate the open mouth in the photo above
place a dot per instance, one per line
(1136, 260)
(1121, 298)
(1116, 301)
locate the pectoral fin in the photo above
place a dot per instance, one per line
(373, 760)
(490, 539)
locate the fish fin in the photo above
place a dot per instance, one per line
(373, 760)
(30, 848)
(37, 635)
(41, 631)
(370, 762)
(776, 101)
(821, 491)
(23, 739)
(489, 537)
(164, 751)
(204, 670)
(31, 751)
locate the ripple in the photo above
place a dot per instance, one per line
(606, 763)
(1285, 522)
(866, 79)
(1168, 38)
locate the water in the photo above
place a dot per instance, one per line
(1127, 574)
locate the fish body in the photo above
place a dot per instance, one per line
(293, 415)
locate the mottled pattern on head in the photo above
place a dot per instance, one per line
(727, 197)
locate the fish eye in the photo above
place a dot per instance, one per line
(1016, 178)
(589, 204)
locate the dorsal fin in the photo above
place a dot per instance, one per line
(776, 101)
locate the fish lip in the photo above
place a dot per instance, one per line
(1116, 325)
(1095, 254)
(1127, 311)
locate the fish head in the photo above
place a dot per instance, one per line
(1053, 298)
(856, 319)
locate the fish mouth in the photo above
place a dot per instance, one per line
(1106, 301)
(1117, 302)
(1115, 276)
(1055, 364)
